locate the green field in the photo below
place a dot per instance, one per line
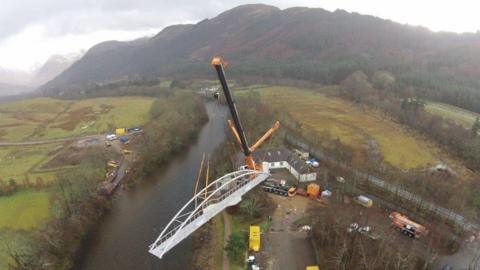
(44, 118)
(17, 161)
(99, 115)
(24, 210)
(354, 126)
(21, 119)
(456, 114)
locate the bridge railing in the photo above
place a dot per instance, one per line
(214, 193)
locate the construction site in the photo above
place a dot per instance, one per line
(314, 211)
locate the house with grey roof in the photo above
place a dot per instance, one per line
(281, 158)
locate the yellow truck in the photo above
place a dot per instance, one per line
(120, 131)
(313, 267)
(254, 239)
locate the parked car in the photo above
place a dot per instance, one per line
(111, 137)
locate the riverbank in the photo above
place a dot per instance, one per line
(208, 243)
(122, 238)
(64, 239)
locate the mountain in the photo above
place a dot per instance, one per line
(55, 65)
(298, 43)
(13, 82)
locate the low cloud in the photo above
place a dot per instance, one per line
(30, 31)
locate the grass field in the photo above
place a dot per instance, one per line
(20, 212)
(21, 119)
(43, 118)
(456, 114)
(16, 161)
(353, 125)
(25, 209)
(100, 115)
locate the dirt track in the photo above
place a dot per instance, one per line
(285, 248)
(97, 136)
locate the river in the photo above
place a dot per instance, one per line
(122, 238)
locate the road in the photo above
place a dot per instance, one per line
(69, 139)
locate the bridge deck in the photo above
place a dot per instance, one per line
(208, 202)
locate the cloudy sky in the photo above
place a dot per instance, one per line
(31, 31)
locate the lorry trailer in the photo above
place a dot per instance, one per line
(278, 188)
(407, 226)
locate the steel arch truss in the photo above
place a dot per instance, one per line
(208, 202)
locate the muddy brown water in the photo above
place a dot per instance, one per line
(122, 238)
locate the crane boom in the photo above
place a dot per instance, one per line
(217, 63)
(265, 136)
(234, 131)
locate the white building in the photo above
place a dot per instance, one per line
(281, 158)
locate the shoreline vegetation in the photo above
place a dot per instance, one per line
(76, 209)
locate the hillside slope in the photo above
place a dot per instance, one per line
(14, 82)
(298, 43)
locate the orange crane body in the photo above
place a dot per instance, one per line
(407, 226)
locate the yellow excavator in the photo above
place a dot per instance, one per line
(236, 125)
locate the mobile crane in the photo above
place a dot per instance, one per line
(236, 126)
(407, 226)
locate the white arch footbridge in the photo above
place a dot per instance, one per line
(205, 204)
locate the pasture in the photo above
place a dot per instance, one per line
(99, 115)
(458, 115)
(24, 210)
(16, 162)
(46, 118)
(353, 125)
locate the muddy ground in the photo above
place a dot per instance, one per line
(283, 246)
(72, 155)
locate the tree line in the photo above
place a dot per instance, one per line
(405, 106)
(175, 121)
(403, 103)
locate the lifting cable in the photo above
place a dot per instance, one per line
(198, 178)
(206, 176)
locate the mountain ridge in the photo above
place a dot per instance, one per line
(298, 43)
